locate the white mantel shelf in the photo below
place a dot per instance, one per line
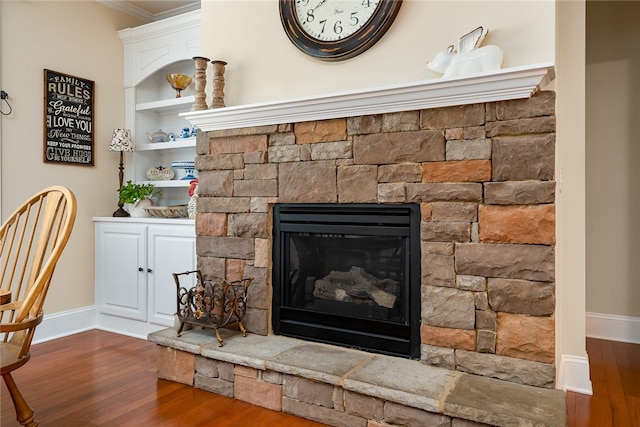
(505, 84)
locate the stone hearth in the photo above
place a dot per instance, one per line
(349, 388)
(483, 175)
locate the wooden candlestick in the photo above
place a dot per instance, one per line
(218, 84)
(200, 82)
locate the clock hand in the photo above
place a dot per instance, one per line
(318, 5)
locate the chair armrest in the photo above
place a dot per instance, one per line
(21, 326)
(10, 306)
(5, 296)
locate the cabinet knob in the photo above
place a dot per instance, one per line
(148, 270)
(140, 269)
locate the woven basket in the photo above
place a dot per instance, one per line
(177, 211)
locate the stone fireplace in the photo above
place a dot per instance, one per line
(481, 175)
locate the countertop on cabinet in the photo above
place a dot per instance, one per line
(146, 220)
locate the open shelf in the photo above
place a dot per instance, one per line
(179, 143)
(166, 106)
(172, 183)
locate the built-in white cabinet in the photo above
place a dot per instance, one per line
(136, 257)
(135, 260)
(152, 51)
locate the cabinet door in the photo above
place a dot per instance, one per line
(121, 270)
(171, 249)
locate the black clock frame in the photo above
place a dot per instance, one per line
(346, 48)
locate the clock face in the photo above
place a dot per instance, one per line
(328, 20)
(334, 30)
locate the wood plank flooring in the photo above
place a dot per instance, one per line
(98, 378)
(615, 378)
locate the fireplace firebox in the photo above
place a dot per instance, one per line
(348, 274)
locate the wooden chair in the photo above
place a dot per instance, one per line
(31, 242)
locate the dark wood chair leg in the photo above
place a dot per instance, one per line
(24, 413)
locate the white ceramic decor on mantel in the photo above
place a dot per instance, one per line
(469, 58)
(455, 64)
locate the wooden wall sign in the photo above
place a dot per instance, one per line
(68, 119)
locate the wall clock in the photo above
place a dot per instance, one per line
(334, 30)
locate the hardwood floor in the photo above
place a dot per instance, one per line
(615, 377)
(98, 378)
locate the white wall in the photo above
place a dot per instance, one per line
(264, 65)
(613, 155)
(571, 357)
(76, 38)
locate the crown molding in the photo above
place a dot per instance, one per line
(143, 15)
(178, 11)
(129, 9)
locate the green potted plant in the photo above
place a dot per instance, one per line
(136, 196)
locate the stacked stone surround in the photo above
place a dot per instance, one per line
(483, 175)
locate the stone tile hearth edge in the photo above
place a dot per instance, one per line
(402, 381)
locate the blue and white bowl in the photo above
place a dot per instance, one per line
(188, 166)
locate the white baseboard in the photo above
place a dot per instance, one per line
(123, 326)
(573, 374)
(65, 323)
(613, 327)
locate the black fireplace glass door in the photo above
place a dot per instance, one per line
(348, 275)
